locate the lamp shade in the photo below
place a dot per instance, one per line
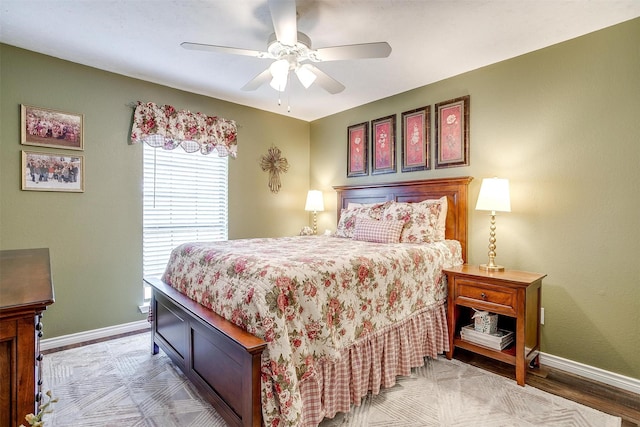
(280, 72)
(305, 75)
(494, 195)
(314, 201)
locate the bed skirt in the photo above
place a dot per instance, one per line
(373, 363)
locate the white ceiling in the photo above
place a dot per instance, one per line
(431, 40)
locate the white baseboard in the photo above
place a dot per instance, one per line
(586, 371)
(80, 337)
(577, 368)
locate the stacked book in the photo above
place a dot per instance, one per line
(497, 341)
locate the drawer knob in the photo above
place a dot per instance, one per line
(483, 295)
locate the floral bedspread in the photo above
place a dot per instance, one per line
(308, 297)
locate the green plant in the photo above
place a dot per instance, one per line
(36, 420)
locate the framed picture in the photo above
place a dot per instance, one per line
(50, 128)
(357, 150)
(452, 133)
(383, 133)
(416, 131)
(52, 172)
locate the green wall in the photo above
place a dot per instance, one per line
(563, 124)
(95, 237)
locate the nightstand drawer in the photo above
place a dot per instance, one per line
(486, 296)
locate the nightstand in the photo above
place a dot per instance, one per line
(513, 295)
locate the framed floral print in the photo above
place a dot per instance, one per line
(416, 132)
(383, 131)
(51, 128)
(52, 172)
(452, 133)
(357, 150)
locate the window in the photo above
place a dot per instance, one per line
(184, 200)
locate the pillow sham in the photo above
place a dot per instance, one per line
(348, 216)
(425, 221)
(378, 231)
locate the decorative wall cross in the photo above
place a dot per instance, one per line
(274, 163)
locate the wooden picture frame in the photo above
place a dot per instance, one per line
(52, 172)
(44, 127)
(452, 133)
(416, 139)
(358, 150)
(383, 132)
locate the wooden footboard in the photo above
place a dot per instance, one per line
(220, 358)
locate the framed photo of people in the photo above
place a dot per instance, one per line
(383, 131)
(52, 172)
(452, 133)
(358, 150)
(416, 131)
(44, 127)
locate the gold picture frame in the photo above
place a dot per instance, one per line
(52, 172)
(44, 127)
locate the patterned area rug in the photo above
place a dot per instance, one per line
(119, 383)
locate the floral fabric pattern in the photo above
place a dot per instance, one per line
(164, 126)
(348, 217)
(308, 298)
(425, 222)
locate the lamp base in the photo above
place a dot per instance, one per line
(488, 267)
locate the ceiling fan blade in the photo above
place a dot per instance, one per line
(354, 51)
(325, 81)
(258, 80)
(283, 14)
(224, 49)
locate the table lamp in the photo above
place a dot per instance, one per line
(314, 204)
(494, 197)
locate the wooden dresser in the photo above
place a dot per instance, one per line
(26, 290)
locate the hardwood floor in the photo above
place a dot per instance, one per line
(594, 394)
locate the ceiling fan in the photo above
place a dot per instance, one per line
(292, 53)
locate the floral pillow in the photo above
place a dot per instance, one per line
(378, 231)
(348, 217)
(425, 221)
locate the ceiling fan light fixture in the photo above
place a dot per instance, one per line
(279, 71)
(290, 48)
(305, 75)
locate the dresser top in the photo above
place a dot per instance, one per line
(25, 279)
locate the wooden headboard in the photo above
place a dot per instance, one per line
(416, 191)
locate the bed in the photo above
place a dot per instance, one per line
(269, 342)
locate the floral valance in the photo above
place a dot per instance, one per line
(164, 126)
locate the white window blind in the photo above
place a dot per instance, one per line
(185, 199)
